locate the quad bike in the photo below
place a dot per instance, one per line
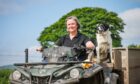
(59, 66)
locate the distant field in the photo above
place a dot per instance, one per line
(4, 76)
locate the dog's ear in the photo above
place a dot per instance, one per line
(106, 27)
(99, 27)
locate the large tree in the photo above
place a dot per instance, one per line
(89, 17)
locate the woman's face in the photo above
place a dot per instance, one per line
(71, 26)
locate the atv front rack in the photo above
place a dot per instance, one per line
(45, 63)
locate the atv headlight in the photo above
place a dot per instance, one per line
(16, 75)
(74, 73)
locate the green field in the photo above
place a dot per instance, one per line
(4, 76)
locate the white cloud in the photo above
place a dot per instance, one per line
(132, 28)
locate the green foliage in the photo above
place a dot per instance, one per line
(89, 17)
(4, 76)
(134, 46)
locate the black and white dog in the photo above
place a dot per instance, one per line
(104, 43)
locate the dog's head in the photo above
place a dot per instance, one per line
(102, 27)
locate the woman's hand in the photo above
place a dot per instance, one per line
(90, 45)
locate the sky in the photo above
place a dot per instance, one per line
(21, 22)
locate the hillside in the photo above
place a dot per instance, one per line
(7, 67)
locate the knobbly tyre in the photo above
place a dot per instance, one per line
(59, 66)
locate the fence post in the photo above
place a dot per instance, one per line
(26, 55)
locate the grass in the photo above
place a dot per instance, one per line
(4, 76)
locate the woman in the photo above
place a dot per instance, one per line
(74, 37)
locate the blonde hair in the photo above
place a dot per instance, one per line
(74, 18)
